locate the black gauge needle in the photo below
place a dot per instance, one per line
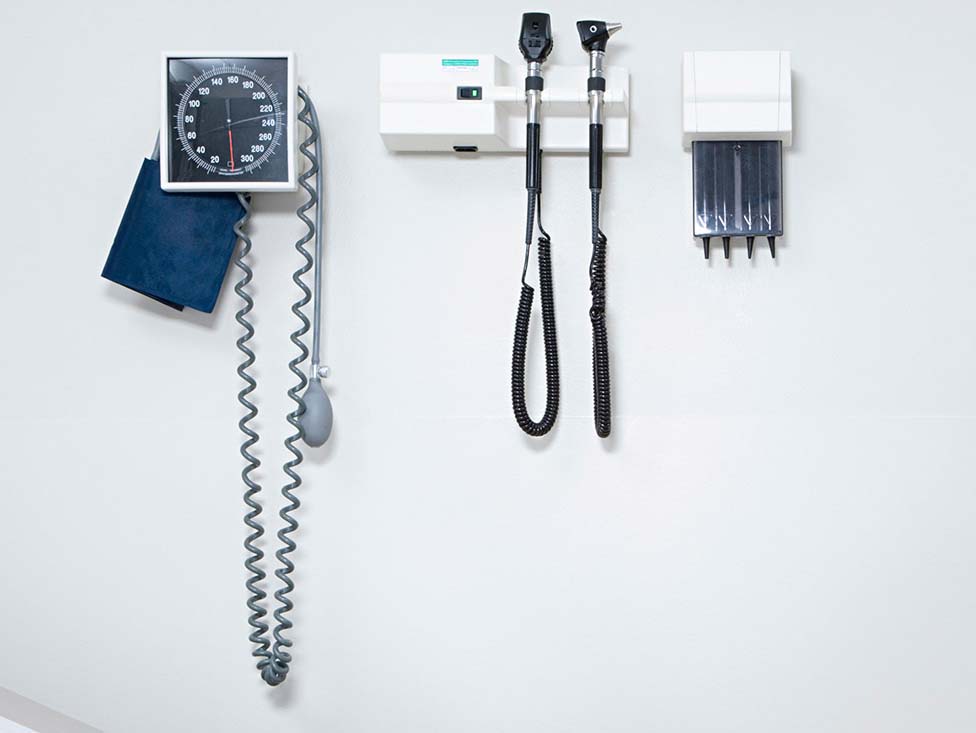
(235, 123)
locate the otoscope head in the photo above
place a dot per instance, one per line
(535, 40)
(317, 418)
(594, 34)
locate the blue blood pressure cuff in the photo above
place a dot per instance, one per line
(174, 247)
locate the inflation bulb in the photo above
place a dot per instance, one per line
(316, 421)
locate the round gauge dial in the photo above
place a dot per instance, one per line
(228, 122)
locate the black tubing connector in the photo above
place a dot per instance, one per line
(533, 157)
(596, 157)
(596, 84)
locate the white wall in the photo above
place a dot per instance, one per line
(778, 536)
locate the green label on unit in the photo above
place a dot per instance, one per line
(459, 62)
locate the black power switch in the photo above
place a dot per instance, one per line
(469, 92)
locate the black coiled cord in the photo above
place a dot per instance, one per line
(598, 318)
(548, 329)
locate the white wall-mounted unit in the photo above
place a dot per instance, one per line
(461, 102)
(737, 118)
(741, 95)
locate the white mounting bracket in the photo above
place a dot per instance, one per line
(422, 107)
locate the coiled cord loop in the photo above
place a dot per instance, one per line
(522, 319)
(598, 319)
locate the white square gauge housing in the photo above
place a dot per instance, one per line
(228, 122)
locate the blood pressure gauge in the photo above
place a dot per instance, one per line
(228, 122)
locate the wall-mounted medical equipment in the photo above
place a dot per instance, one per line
(535, 43)
(737, 120)
(476, 103)
(173, 248)
(227, 129)
(228, 123)
(594, 35)
(472, 103)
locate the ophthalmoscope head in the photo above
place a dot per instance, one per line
(535, 39)
(594, 34)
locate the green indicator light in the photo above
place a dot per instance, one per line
(459, 62)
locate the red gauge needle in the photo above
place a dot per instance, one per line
(230, 139)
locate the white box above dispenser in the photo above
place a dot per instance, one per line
(737, 95)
